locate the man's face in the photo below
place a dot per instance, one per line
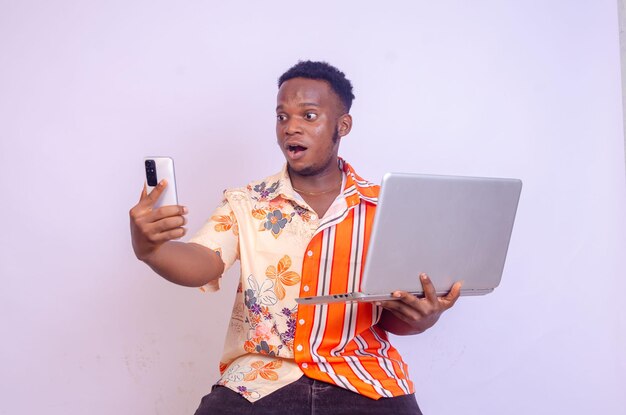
(308, 124)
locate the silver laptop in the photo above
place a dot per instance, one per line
(452, 228)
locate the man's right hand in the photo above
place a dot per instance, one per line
(150, 228)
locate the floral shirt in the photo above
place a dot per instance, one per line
(286, 251)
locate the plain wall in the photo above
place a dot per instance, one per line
(491, 88)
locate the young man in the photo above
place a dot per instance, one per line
(303, 231)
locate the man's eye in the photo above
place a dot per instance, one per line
(310, 116)
(281, 117)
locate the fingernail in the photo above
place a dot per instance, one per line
(378, 303)
(397, 294)
(185, 210)
(162, 183)
(423, 276)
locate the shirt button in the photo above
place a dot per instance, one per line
(304, 365)
(310, 253)
(299, 348)
(305, 288)
(301, 321)
(313, 217)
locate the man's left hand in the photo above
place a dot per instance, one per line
(410, 314)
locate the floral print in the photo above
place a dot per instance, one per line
(225, 223)
(303, 213)
(263, 295)
(238, 373)
(277, 213)
(265, 370)
(257, 299)
(248, 393)
(280, 275)
(260, 346)
(235, 373)
(262, 192)
(276, 221)
(287, 336)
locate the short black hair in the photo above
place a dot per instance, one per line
(325, 72)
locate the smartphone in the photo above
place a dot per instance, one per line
(157, 169)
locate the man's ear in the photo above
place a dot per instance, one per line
(344, 125)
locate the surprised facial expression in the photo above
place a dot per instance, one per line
(309, 118)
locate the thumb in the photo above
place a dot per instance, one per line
(151, 198)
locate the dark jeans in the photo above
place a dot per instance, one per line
(305, 397)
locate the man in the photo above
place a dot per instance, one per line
(303, 231)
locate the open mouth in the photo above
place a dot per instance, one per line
(295, 149)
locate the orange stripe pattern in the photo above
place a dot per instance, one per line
(341, 343)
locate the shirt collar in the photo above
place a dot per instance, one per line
(355, 189)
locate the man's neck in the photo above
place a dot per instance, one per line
(319, 190)
(323, 182)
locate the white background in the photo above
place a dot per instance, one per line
(495, 88)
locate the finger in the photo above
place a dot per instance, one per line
(402, 310)
(139, 209)
(406, 298)
(167, 212)
(152, 229)
(149, 225)
(429, 289)
(144, 192)
(408, 304)
(421, 305)
(169, 235)
(169, 224)
(453, 295)
(154, 195)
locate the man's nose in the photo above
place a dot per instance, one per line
(292, 126)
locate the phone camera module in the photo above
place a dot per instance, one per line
(151, 177)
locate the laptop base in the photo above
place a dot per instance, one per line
(363, 297)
